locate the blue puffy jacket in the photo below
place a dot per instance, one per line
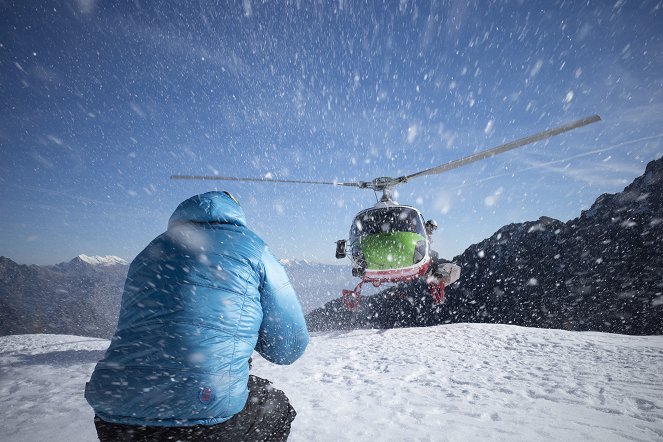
(197, 301)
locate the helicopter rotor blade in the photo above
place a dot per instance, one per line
(505, 147)
(265, 180)
(384, 183)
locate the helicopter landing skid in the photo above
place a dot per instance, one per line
(352, 298)
(437, 292)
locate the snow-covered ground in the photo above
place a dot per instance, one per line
(454, 382)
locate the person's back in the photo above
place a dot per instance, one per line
(197, 301)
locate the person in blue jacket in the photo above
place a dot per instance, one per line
(197, 301)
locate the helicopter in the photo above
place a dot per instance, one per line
(389, 242)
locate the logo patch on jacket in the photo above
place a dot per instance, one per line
(206, 395)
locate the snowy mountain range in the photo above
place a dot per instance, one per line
(83, 296)
(602, 271)
(459, 382)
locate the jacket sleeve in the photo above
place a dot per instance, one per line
(283, 336)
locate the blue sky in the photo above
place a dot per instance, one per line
(103, 101)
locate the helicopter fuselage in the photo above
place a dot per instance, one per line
(388, 243)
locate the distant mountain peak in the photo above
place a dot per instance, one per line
(107, 260)
(5, 260)
(652, 177)
(643, 194)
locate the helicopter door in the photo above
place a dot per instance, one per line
(388, 238)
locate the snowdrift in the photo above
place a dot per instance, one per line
(452, 382)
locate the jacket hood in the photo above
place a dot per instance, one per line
(208, 207)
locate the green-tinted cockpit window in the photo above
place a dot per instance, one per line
(386, 220)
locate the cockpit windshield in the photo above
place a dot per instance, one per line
(387, 220)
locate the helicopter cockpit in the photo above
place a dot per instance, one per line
(387, 220)
(388, 237)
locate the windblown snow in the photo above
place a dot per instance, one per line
(445, 383)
